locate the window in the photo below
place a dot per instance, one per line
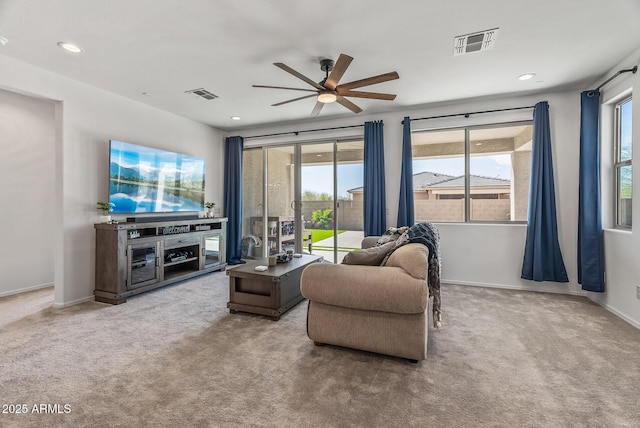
(622, 167)
(472, 174)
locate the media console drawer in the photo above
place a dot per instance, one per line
(181, 242)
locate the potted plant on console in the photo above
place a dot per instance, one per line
(209, 206)
(105, 207)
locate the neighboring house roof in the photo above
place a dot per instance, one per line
(476, 181)
(430, 180)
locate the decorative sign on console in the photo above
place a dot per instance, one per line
(173, 230)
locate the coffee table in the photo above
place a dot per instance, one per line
(271, 292)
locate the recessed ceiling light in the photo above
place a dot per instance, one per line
(4, 41)
(526, 76)
(70, 47)
(235, 117)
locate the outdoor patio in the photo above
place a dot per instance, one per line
(347, 241)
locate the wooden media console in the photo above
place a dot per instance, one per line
(132, 258)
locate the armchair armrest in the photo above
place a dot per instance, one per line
(376, 288)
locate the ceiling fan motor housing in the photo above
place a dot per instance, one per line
(326, 65)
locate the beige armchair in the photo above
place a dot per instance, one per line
(379, 309)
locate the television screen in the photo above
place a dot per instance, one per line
(147, 180)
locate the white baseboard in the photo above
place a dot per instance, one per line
(24, 290)
(74, 302)
(513, 287)
(619, 314)
(41, 286)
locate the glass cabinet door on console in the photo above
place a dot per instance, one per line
(143, 265)
(213, 249)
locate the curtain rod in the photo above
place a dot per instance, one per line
(633, 70)
(306, 130)
(469, 114)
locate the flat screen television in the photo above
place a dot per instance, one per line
(147, 180)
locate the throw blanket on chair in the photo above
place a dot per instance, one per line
(427, 234)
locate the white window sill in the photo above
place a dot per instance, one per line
(619, 231)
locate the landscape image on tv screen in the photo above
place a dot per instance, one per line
(146, 180)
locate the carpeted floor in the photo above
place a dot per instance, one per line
(175, 357)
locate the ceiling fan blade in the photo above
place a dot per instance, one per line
(369, 81)
(283, 87)
(372, 95)
(348, 104)
(317, 108)
(298, 75)
(295, 99)
(338, 70)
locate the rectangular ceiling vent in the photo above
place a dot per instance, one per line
(203, 93)
(475, 42)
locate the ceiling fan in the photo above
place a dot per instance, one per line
(328, 90)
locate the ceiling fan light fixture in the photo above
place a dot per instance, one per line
(327, 97)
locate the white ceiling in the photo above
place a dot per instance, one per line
(166, 47)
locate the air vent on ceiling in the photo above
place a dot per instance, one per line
(475, 42)
(201, 92)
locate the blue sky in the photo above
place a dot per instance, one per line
(320, 178)
(626, 120)
(497, 166)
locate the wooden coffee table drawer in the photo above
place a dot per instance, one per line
(270, 293)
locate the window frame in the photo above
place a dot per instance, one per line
(467, 167)
(618, 164)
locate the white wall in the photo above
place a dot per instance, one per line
(473, 254)
(86, 118)
(622, 248)
(27, 144)
(483, 254)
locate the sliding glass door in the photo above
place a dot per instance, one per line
(304, 198)
(349, 189)
(282, 227)
(252, 203)
(318, 183)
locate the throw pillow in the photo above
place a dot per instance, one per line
(370, 256)
(391, 234)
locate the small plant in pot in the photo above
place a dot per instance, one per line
(209, 206)
(106, 208)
